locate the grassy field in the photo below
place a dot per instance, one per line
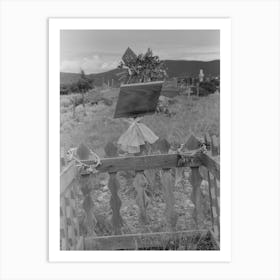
(194, 115)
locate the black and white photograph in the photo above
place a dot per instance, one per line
(139, 139)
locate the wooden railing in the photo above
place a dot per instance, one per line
(203, 165)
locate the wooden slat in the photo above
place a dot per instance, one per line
(207, 140)
(115, 203)
(111, 150)
(80, 244)
(69, 220)
(67, 176)
(138, 241)
(140, 163)
(63, 225)
(214, 145)
(192, 143)
(210, 200)
(217, 195)
(215, 239)
(151, 177)
(142, 200)
(214, 204)
(195, 180)
(161, 145)
(88, 205)
(212, 165)
(167, 183)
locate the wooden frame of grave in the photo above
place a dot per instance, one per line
(203, 165)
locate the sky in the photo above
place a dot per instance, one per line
(97, 51)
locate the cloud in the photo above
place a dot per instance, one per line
(93, 64)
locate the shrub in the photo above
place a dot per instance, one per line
(64, 89)
(207, 88)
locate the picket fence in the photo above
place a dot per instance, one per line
(204, 165)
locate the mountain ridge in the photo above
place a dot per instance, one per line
(175, 68)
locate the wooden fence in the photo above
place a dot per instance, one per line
(204, 165)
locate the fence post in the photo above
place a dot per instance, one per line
(90, 221)
(214, 198)
(115, 202)
(167, 182)
(70, 238)
(63, 225)
(196, 180)
(142, 200)
(207, 140)
(214, 145)
(111, 151)
(69, 226)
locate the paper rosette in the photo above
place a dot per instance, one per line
(136, 135)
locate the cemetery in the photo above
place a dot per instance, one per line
(143, 172)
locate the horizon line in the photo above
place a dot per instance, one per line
(162, 60)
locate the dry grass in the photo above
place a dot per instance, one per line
(195, 115)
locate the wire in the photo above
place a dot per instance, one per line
(87, 168)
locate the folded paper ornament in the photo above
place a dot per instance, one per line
(136, 135)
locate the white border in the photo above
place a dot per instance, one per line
(55, 255)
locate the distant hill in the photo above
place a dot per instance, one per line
(175, 68)
(69, 78)
(178, 68)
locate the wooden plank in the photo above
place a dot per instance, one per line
(212, 165)
(63, 225)
(67, 176)
(138, 99)
(115, 203)
(207, 140)
(80, 244)
(142, 200)
(217, 191)
(140, 163)
(69, 220)
(137, 241)
(215, 239)
(88, 204)
(192, 143)
(210, 199)
(129, 56)
(214, 145)
(168, 182)
(161, 145)
(214, 204)
(195, 180)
